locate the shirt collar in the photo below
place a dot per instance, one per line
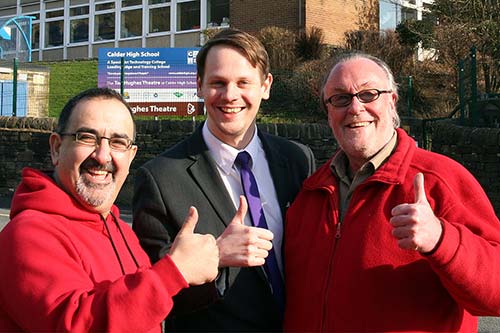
(223, 154)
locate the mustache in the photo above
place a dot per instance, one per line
(91, 163)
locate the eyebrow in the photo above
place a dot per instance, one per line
(94, 131)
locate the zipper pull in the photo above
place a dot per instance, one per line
(337, 231)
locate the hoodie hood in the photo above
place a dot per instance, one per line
(38, 191)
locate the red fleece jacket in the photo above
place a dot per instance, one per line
(59, 272)
(351, 276)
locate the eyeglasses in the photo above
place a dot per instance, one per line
(364, 96)
(93, 140)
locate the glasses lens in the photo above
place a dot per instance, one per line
(86, 138)
(119, 144)
(367, 96)
(341, 99)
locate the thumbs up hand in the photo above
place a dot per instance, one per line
(241, 245)
(195, 255)
(415, 225)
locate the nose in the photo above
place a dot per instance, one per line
(230, 92)
(103, 151)
(356, 106)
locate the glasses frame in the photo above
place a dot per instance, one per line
(329, 100)
(98, 139)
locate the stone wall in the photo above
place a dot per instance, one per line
(24, 142)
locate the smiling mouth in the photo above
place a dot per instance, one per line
(98, 174)
(231, 110)
(359, 124)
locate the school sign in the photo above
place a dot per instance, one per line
(157, 81)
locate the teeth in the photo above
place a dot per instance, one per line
(231, 110)
(99, 172)
(360, 124)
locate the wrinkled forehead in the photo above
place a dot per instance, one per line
(101, 114)
(359, 72)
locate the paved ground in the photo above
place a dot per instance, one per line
(486, 324)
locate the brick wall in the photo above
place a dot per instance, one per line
(334, 16)
(24, 142)
(254, 15)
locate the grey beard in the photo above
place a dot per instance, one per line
(94, 194)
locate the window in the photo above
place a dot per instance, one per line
(217, 13)
(54, 33)
(408, 14)
(54, 26)
(104, 26)
(128, 3)
(77, 11)
(79, 24)
(104, 6)
(54, 13)
(389, 14)
(104, 22)
(159, 19)
(154, 2)
(79, 30)
(131, 23)
(188, 15)
(35, 36)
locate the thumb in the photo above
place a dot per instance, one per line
(418, 185)
(239, 217)
(190, 221)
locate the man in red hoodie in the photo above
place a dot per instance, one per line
(372, 247)
(68, 262)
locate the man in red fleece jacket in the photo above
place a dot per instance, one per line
(68, 262)
(370, 246)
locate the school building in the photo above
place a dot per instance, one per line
(76, 29)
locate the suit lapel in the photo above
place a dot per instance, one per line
(205, 175)
(278, 168)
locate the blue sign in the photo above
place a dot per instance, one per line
(157, 81)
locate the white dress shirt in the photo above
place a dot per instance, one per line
(224, 156)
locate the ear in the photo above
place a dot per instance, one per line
(266, 86)
(55, 141)
(198, 87)
(132, 153)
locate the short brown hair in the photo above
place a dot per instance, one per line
(249, 46)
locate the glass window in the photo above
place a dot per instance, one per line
(217, 12)
(35, 36)
(54, 33)
(389, 14)
(76, 11)
(188, 15)
(104, 6)
(408, 14)
(54, 13)
(35, 15)
(131, 23)
(154, 2)
(128, 3)
(159, 19)
(104, 26)
(79, 30)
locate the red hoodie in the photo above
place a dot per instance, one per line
(60, 269)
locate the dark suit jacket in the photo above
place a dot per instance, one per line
(185, 176)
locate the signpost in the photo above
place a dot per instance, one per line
(156, 81)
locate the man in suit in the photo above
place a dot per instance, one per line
(232, 77)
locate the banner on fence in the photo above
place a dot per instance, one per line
(156, 81)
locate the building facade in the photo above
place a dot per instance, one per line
(76, 29)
